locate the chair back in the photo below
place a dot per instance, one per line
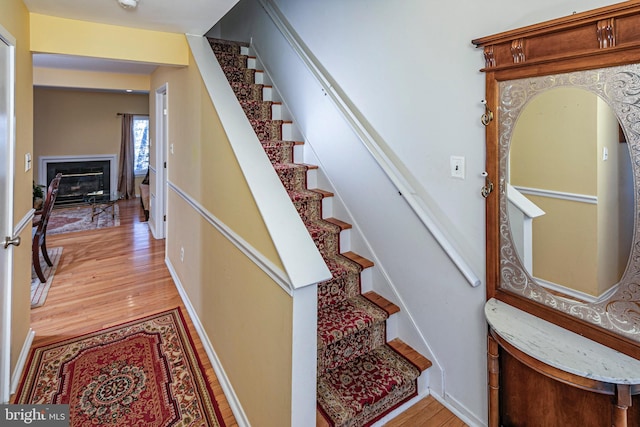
(52, 193)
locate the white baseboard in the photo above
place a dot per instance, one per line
(459, 410)
(22, 360)
(225, 384)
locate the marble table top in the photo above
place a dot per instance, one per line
(559, 347)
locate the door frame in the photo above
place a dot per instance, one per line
(6, 279)
(162, 162)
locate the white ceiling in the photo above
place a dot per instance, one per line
(176, 16)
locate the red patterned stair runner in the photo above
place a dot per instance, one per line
(360, 377)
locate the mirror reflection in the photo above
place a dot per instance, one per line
(570, 193)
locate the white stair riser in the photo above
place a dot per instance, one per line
(298, 154)
(327, 207)
(276, 112)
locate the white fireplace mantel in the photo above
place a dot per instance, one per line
(112, 158)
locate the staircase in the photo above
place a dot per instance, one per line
(361, 377)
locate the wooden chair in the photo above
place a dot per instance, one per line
(39, 241)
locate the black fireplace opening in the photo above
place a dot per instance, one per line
(80, 178)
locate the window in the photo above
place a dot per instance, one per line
(141, 144)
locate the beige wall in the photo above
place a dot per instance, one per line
(74, 122)
(64, 78)
(14, 18)
(246, 315)
(554, 143)
(50, 34)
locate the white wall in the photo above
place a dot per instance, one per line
(412, 72)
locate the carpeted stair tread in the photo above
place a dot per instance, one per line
(245, 91)
(324, 193)
(292, 175)
(326, 237)
(234, 61)
(357, 343)
(279, 151)
(359, 259)
(389, 307)
(344, 283)
(257, 110)
(231, 45)
(267, 129)
(239, 75)
(343, 225)
(418, 360)
(338, 321)
(367, 388)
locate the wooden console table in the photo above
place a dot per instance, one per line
(548, 376)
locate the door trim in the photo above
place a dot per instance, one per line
(161, 138)
(6, 281)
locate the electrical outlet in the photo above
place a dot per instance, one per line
(181, 254)
(457, 167)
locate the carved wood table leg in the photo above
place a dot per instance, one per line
(493, 369)
(622, 401)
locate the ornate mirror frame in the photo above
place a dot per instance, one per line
(599, 51)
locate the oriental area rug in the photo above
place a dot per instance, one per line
(141, 373)
(79, 218)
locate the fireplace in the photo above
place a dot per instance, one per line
(80, 176)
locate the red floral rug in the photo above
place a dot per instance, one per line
(141, 373)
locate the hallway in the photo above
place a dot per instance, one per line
(110, 276)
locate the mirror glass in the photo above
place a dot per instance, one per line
(570, 193)
(567, 229)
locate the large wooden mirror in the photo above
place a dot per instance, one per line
(563, 152)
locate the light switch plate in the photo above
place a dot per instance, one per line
(457, 167)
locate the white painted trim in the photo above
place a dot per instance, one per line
(299, 255)
(304, 357)
(158, 202)
(273, 271)
(371, 140)
(6, 282)
(574, 197)
(526, 206)
(113, 163)
(26, 220)
(459, 410)
(225, 384)
(22, 360)
(582, 296)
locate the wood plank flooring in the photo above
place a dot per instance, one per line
(426, 413)
(110, 276)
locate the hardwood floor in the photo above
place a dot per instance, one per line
(107, 277)
(426, 413)
(110, 276)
